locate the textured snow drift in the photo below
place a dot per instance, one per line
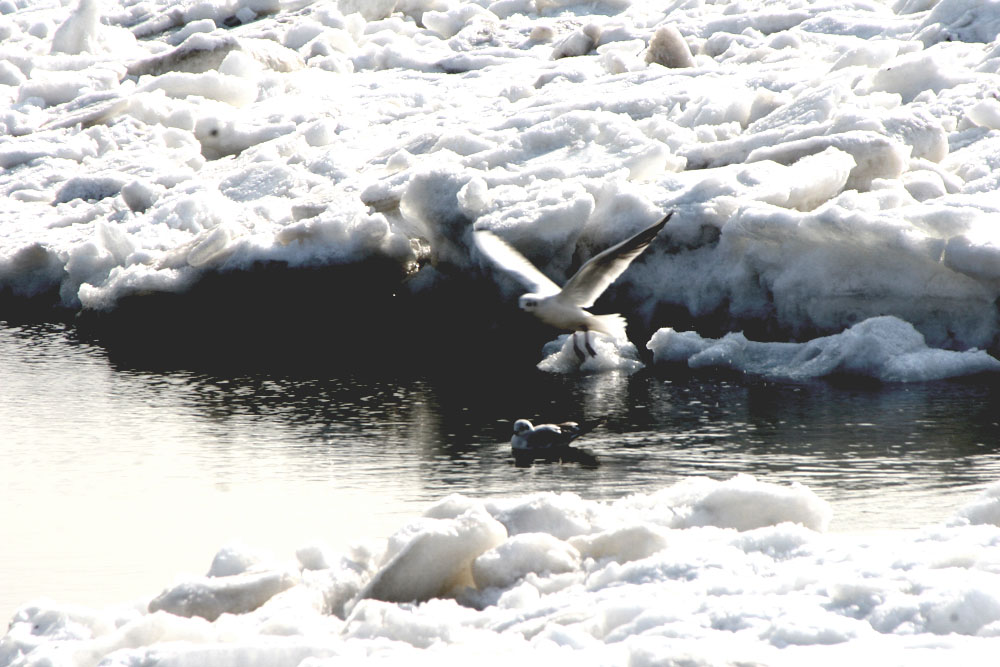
(826, 164)
(703, 572)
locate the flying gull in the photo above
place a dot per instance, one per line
(565, 308)
(550, 442)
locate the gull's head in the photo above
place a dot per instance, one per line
(529, 302)
(522, 426)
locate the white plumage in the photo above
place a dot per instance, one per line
(565, 308)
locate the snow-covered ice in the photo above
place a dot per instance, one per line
(827, 164)
(833, 168)
(884, 348)
(704, 572)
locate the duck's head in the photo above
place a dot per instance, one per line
(522, 426)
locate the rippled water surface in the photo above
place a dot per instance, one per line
(116, 478)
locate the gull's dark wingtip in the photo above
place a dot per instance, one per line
(658, 226)
(646, 236)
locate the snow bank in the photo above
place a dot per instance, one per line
(714, 572)
(884, 348)
(826, 165)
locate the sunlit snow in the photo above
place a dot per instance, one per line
(833, 168)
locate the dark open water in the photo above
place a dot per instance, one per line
(119, 472)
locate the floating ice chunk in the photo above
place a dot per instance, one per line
(980, 260)
(814, 179)
(741, 502)
(924, 134)
(985, 509)
(79, 32)
(960, 20)
(313, 557)
(371, 10)
(230, 134)
(885, 348)
(612, 355)
(11, 74)
(233, 90)
(431, 201)
(562, 515)
(622, 544)
(673, 347)
(31, 270)
(871, 53)
(436, 558)
(541, 33)
(209, 598)
(911, 74)
(90, 188)
(61, 622)
(265, 179)
(452, 506)
(59, 87)
(875, 155)
(192, 27)
(985, 113)
(597, 6)
(924, 184)
(88, 110)
(139, 195)
(303, 32)
(193, 213)
(963, 611)
(92, 261)
(129, 279)
(212, 246)
(522, 554)
(204, 52)
(578, 43)
(448, 23)
(668, 48)
(232, 560)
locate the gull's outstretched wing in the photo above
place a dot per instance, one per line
(604, 268)
(510, 260)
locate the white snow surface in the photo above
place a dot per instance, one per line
(828, 162)
(884, 348)
(834, 170)
(701, 573)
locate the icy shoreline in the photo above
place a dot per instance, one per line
(291, 169)
(146, 148)
(707, 572)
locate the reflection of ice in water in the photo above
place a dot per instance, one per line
(604, 394)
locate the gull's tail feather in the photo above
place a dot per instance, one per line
(612, 325)
(577, 429)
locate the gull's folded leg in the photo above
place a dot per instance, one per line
(576, 348)
(586, 341)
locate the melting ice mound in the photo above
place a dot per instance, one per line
(704, 572)
(826, 164)
(884, 348)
